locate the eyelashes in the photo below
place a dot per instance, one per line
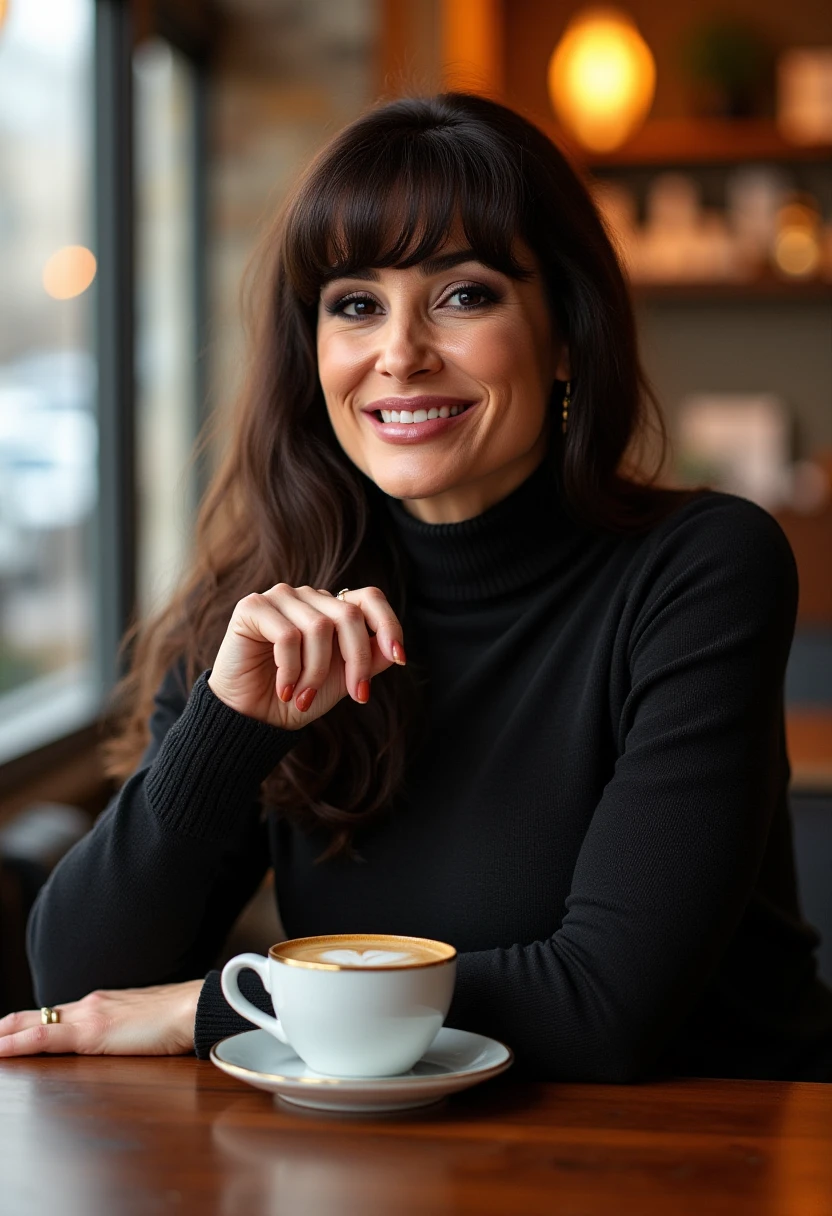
(487, 296)
(338, 307)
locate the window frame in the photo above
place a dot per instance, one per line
(115, 530)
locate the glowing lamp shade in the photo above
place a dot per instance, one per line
(797, 249)
(602, 77)
(68, 272)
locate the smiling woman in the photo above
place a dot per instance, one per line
(351, 303)
(579, 778)
(403, 353)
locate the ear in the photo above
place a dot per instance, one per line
(562, 371)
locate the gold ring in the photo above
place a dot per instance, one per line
(49, 1016)
(340, 594)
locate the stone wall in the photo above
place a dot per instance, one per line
(288, 75)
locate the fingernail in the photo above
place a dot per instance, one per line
(398, 653)
(286, 695)
(305, 699)
(363, 691)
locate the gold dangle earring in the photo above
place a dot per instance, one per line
(566, 406)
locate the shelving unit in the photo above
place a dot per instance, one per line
(768, 333)
(687, 141)
(727, 291)
(710, 145)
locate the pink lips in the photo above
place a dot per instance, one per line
(415, 432)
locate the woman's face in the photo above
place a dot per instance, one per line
(447, 332)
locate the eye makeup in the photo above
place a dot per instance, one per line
(487, 296)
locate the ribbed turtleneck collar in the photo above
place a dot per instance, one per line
(505, 550)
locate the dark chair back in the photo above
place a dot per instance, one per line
(812, 819)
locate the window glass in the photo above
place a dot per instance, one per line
(48, 429)
(165, 116)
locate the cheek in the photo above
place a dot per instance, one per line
(340, 365)
(505, 355)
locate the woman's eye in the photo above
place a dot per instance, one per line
(356, 307)
(471, 297)
(466, 298)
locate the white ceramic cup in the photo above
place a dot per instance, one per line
(366, 1012)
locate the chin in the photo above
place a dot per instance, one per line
(400, 484)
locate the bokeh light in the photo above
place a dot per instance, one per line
(69, 272)
(602, 78)
(797, 249)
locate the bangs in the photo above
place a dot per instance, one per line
(395, 199)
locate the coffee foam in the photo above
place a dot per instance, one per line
(368, 958)
(363, 951)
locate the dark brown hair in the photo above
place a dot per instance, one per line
(288, 505)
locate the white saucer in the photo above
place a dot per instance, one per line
(455, 1060)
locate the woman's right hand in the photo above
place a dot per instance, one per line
(292, 653)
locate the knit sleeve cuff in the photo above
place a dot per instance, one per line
(211, 764)
(215, 1019)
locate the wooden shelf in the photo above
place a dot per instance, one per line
(773, 289)
(810, 537)
(688, 141)
(809, 735)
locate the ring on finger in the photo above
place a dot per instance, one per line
(49, 1016)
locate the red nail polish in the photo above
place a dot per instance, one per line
(363, 691)
(398, 652)
(286, 694)
(305, 699)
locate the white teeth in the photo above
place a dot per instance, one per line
(421, 415)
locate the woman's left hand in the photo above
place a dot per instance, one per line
(156, 1021)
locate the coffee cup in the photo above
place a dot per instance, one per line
(351, 1004)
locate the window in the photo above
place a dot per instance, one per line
(165, 112)
(101, 222)
(48, 373)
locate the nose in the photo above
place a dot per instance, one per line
(407, 348)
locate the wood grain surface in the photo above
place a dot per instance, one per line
(83, 1137)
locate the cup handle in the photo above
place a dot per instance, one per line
(243, 1006)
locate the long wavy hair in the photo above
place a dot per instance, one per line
(287, 504)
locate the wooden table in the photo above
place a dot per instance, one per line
(83, 1137)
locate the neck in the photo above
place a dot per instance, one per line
(473, 498)
(501, 552)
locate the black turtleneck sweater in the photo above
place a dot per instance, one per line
(598, 819)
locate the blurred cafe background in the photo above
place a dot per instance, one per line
(141, 144)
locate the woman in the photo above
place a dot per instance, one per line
(578, 777)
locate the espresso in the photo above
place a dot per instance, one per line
(363, 951)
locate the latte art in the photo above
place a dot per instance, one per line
(360, 952)
(368, 958)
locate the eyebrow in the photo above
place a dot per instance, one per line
(428, 266)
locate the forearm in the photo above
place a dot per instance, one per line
(554, 1016)
(147, 895)
(661, 883)
(124, 909)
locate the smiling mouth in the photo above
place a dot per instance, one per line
(409, 417)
